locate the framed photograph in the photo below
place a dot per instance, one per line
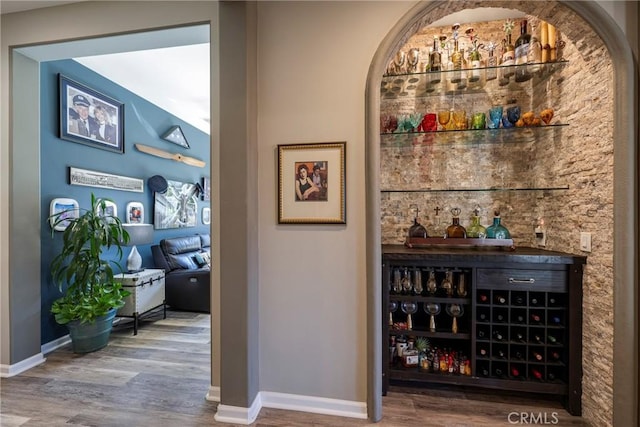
(206, 216)
(206, 189)
(135, 213)
(66, 208)
(89, 117)
(312, 183)
(110, 208)
(177, 207)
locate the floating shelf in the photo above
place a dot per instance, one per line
(416, 85)
(441, 190)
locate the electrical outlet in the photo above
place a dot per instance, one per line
(541, 237)
(585, 241)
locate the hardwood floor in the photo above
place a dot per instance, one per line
(160, 378)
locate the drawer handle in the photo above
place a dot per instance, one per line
(530, 280)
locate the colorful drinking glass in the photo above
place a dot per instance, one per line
(495, 116)
(460, 119)
(478, 121)
(429, 122)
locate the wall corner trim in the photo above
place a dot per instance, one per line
(213, 395)
(7, 371)
(239, 415)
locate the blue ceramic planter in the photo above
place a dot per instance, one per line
(89, 337)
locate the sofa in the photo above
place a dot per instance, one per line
(187, 265)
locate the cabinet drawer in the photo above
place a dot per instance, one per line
(520, 279)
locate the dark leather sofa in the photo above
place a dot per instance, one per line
(187, 284)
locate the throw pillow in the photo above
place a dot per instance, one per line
(206, 256)
(199, 260)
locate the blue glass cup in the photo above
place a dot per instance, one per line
(495, 117)
(513, 114)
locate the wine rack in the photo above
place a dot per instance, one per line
(518, 325)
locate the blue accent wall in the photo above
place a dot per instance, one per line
(144, 123)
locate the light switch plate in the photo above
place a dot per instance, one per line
(585, 241)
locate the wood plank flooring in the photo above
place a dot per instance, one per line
(160, 377)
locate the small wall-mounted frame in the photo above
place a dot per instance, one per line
(175, 135)
(135, 213)
(60, 210)
(205, 195)
(110, 208)
(206, 216)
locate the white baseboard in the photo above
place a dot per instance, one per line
(238, 415)
(213, 395)
(55, 344)
(7, 371)
(316, 405)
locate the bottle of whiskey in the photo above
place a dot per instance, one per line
(521, 53)
(508, 57)
(475, 58)
(456, 61)
(455, 230)
(435, 59)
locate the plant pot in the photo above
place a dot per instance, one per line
(88, 337)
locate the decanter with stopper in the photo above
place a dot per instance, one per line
(455, 230)
(497, 230)
(476, 230)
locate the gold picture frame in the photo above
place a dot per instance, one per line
(312, 183)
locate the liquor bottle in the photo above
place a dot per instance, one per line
(508, 58)
(537, 356)
(536, 374)
(435, 59)
(476, 230)
(456, 61)
(492, 63)
(464, 65)
(497, 230)
(514, 372)
(455, 230)
(522, 52)
(475, 58)
(534, 56)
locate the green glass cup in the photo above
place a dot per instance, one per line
(478, 121)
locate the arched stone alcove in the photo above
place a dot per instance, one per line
(596, 154)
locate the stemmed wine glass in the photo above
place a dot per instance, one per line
(432, 309)
(462, 288)
(455, 311)
(393, 306)
(409, 308)
(444, 116)
(397, 285)
(417, 282)
(447, 283)
(407, 286)
(432, 285)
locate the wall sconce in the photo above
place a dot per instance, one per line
(139, 234)
(175, 135)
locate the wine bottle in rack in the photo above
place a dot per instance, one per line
(555, 356)
(515, 373)
(552, 339)
(483, 297)
(500, 299)
(536, 374)
(537, 356)
(535, 318)
(497, 335)
(556, 320)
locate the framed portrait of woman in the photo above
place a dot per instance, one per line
(312, 183)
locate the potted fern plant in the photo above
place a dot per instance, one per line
(91, 297)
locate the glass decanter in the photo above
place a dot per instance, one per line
(497, 230)
(455, 230)
(476, 230)
(432, 285)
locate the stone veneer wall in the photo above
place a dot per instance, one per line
(579, 156)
